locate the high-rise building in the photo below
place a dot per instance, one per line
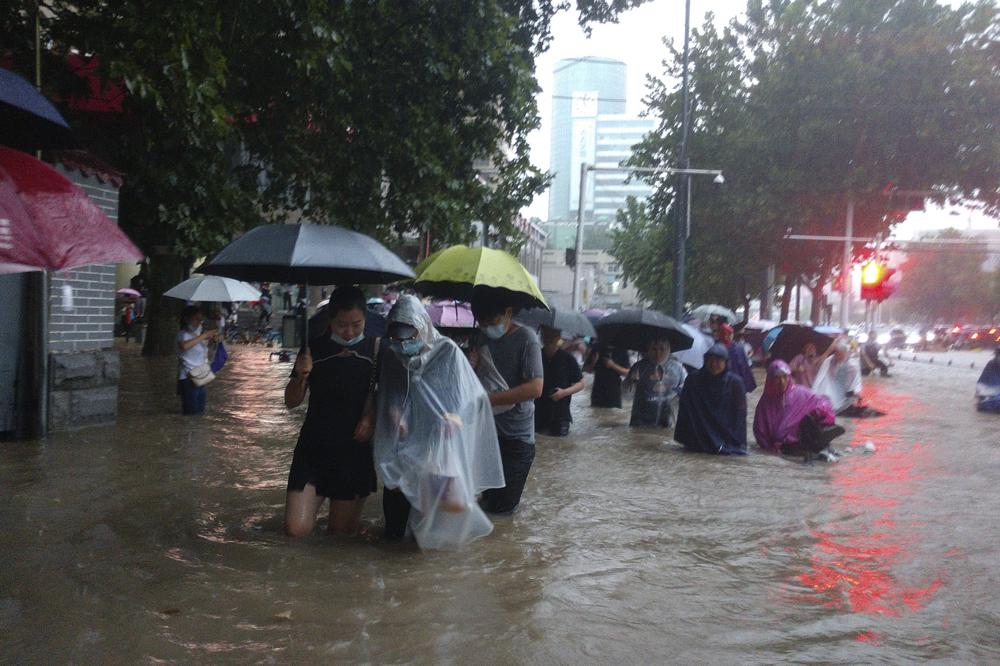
(589, 125)
(583, 88)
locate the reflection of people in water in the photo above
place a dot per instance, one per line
(791, 419)
(988, 386)
(713, 409)
(658, 379)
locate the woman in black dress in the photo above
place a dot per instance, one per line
(333, 457)
(609, 365)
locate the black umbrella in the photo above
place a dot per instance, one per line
(792, 338)
(567, 321)
(28, 121)
(635, 329)
(315, 254)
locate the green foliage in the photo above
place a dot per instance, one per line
(949, 284)
(803, 103)
(364, 114)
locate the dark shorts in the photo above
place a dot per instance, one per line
(341, 471)
(516, 456)
(192, 397)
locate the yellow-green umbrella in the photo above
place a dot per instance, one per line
(460, 271)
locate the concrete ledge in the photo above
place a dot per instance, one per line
(84, 388)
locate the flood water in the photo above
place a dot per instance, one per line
(159, 540)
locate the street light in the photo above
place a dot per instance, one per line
(585, 168)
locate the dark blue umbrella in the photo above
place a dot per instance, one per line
(28, 121)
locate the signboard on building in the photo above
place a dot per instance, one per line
(584, 104)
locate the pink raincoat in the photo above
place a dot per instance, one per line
(778, 416)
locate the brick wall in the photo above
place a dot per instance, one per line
(90, 323)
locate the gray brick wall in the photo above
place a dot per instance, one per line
(90, 323)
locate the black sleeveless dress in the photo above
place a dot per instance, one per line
(327, 456)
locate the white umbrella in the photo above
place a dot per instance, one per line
(695, 356)
(704, 312)
(213, 288)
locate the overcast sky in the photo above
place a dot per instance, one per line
(637, 40)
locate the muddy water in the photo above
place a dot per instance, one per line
(159, 539)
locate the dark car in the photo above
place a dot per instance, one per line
(897, 338)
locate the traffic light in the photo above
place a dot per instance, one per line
(875, 284)
(571, 257)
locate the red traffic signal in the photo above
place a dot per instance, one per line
(875, 282)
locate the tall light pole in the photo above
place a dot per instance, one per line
(585, 169)
(682, 215)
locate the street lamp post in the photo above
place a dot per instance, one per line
(585, 168)
(681, 230)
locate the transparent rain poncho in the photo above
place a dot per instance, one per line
(434, 436)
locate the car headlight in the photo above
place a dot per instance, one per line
(883, 338)
(930, 337)
(862, 338)
(913, 339)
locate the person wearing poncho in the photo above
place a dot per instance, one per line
(739, 364)
(787, 414)
(988, 386)
(435, 440)
(713, 409)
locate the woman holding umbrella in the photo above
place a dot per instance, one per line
(333, 457)
(192, 352)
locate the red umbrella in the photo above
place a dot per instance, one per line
(48, 223)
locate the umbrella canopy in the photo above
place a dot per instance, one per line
(569, 322)
(48, 223)
(315, 254)
(451, 314)
(704, 312)
(594, 315)
(695, 356)
(760, 325)
(212, 288)
(28, 121)
(635, 329)
(128, 293)
(459, 272)
(786, 341)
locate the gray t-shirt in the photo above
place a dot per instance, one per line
(518, 358)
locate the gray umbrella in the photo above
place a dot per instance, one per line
(567, 321)
(315, 254)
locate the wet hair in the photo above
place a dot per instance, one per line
(346, 298)
(188, 312)
(486, 307)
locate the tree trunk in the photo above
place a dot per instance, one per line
(816, 307)
(786, 296)
(163, 314)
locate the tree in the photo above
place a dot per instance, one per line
(364, 114)
(806, 104)
(948, 284)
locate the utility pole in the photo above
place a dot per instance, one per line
(845, 264)
(682, 204)
(584, 168)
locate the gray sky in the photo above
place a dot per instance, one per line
(637, 40)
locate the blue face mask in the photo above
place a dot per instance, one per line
(346, 343)
(409, 347)
(496, 331)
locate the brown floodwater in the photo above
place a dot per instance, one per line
(159, 540)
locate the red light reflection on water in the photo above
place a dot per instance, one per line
(856, 562)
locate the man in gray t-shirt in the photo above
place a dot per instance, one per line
(517, 355)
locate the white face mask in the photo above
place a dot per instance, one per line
(347, 343)
(496, 331)
(195, 329)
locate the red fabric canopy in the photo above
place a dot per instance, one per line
(48, 223)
